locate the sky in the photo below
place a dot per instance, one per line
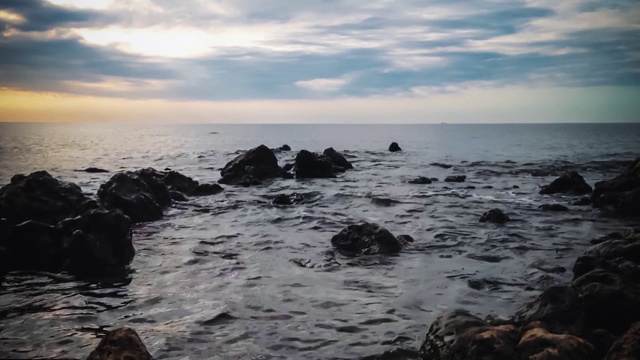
(333, 61)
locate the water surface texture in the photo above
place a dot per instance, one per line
(232, 276)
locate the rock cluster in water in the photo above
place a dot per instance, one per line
(622, 194)
(120, 344)
(366, 239)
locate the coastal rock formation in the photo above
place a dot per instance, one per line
(178, 182)
(553, 207)
(40, 197)
(627, 347)
(325, 165)
(568, 183)
(365, 239)
(495, 216)
(420, 180)
(394, 147)
(456, 178)
(251, 168)
(621, 194)
(120, 344)
(285, 147)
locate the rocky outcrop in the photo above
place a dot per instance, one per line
(178, 182)
(456, 178)
(365, 239)
(394, 147)
(252, 168)
(553, 207)
(495, 216)
(627, 347)
(325, 165)
(568, 183)
(120, 344)
(285, 147)
(420, 180)
(621, 194)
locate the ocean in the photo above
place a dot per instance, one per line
(270, 268)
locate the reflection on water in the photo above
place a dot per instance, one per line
(232, 276)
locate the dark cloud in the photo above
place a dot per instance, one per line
(41, 15)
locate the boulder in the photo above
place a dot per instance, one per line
(40, 197)
(553, 207)
(310, 165)
(251, 168)
(496, 216)
(568, 183)
(285, 147)
(340, 163)
(176, 181)
(538, 343)
(442, 165)
(627, 347)
(420, 180)
(95, 170)
(585, 200)
(622, 193)
(456, 178)
(123, 343)
(394, 147)
(559, 307)
(282, 199)
(33, 245)
(365, 239)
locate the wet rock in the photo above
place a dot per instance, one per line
(285, 147)
(568, 183)
(420, 180)
(120, 344)
(553, 207)
(559, 307)
(288, 167)
(405, 239)
(585, 200)
(178, 196)
(282, 199)
(458, 335)
(40, 197)
(620, 255)
(251, 168)
(496, 216)
(95, 170)
(444, 166)
(627, 347)
(365, 239)
(33, 245)
(340, 163)
(394, 147)
(310, 165)
(621, 194)
(456, 178)
(141, 195)
(395, 354)
(538, 343)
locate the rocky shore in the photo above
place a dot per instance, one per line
(51, 225)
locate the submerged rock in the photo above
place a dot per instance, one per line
(585, 200)
(621, 194)
(456, 178)
(496, 216)
(251, 168)
(568, 183)
(442, 165)
(394, 147)
(420, 180)
(282, 199)
(120, 344)
(95, 170)
(365, 239)
(553, 207)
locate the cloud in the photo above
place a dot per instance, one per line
(324, 85)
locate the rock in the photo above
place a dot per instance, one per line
(40, 197)
(33, 245)
(206, 190)
(141, 195)
(178, 196)
(282, 199)
(96, 243)
(365, 239)
(310, 165)
(559, 307)
(627, 347)
(288, 167)
(395, 354)
(538, 343)
(494, 216)
(553, 207)
(339, 162)
(394, 147)
(405, 239)
(621, 194)
(456, 178)
(120, 344)
(458, 335)
(420, 180)
(95, 170)
(618, 255)
(585, 200)
(568, 183)
(251, 168)
(285, 147)
(444, 166)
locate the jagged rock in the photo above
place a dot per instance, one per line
(568, 183)
(40, 197)
(252, 167)
(340, 164)
(585, 200)
(33, 245)
(178, 196)
(559, 307)
(420, 180)
(285, 147)
(620, 254)
(621, 194)
(496, 216)
(282, 199)
(627, 347)
(553, 207)
(365, 239)
(394, 147)
(310, 165)
(456, 178)
(538, 343)
(120, 344)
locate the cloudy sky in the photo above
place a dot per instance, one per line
(386, 61)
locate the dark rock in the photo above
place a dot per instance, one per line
(456, 178)
(40, 197)
(470, 187)
(568, 183)
(621, 194)
(282, 199)
(133, 195)
(288, 167)
(178, 196)
(420, 180)
(178, 182)
(33, 245)
(585, 200)
(97, 243)
(444, 166)
(251, 168)
(627, 347)
(496, 216)
(206, 190)
(395, 354)
(338, 160)
(285, 147)
(553, 207)
(121, 344)
(405, 239)
(156, 181)
(602, 340)
(516, 187)
(310, 165)
(620, 255)
(367, 239)
(538, 343)
(394, 147)
(95, 170)
(559, 307)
